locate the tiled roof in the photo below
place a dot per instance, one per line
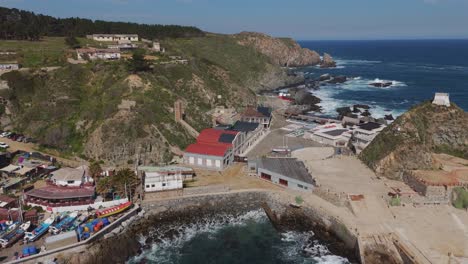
(207, 149)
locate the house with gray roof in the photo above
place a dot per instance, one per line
(287, 172)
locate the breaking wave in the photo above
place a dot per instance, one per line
(292, 247)
(329, 94)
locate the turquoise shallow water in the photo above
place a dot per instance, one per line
(249, 238)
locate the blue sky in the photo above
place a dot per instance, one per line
(300, 19)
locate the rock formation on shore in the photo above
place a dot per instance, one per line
(409, 142)
(327, 61)
(282, 51)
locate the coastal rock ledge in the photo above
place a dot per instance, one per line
(282, 51)
(327, 61)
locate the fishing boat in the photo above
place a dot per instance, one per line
(39, 231)
(14, 235)
(113, 210)
(78, 221)
(63, 224)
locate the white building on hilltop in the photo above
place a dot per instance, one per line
(441, 99)
(113, 37)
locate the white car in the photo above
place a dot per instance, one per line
(4, 145)
(5, 134)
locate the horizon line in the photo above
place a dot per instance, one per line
(385, 39)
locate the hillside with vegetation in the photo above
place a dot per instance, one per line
(410, 142)
(17, 24)
(120, 111)
(111, 112)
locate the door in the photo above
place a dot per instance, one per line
(283, 182)
(265, 176)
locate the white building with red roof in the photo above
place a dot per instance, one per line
(214, 149)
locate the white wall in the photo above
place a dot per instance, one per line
(163, 185)
(96, 205)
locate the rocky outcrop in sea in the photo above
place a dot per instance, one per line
(327, 61)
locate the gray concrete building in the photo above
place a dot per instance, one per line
(288, 172)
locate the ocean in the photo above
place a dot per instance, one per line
(248, 238)
(417, 69)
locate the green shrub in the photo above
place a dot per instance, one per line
(395, 201)
(461, 198)
(299, 200)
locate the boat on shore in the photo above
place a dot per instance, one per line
(63, 224)
(39, 231)
(86, 230)
(14, 235)
(113, 210)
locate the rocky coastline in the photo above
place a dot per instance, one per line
(183, 211)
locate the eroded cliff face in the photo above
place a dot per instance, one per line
(282, 51)
(409, 143)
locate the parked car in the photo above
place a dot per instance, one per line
(19, 138)
(4, 145)
(5, 134)
(11, 135)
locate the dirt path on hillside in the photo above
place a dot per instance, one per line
(30, 147)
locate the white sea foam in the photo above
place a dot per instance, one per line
(297, 242)
(329, 103)
(294, 246)
(187, 232)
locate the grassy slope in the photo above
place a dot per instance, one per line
(64, 107)
(418, 127)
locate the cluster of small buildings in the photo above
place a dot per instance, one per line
(357, 135)
(217, 148)
(120, 44)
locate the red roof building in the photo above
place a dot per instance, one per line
(213, 150)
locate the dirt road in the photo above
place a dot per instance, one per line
(30, 147)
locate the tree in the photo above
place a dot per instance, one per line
(72, 42)
(95, 170)
(123, 180)
(138, 62)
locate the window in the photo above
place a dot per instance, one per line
(147, 186)
(164, 184)
(70, 182)
(300, 186)
(153, 185)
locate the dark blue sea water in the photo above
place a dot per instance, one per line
(245, 239)
(418, 69)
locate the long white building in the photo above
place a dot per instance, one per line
(113, 37)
